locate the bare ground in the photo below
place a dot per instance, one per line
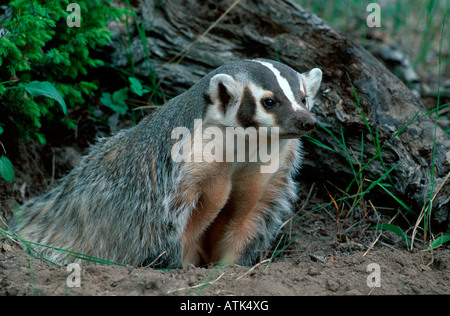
(401, 272)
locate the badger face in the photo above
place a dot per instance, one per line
(263, 93)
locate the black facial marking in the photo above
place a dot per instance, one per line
(247, 110)
(303, 101)
(224, 98)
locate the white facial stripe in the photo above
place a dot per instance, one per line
(284, 84)
(302, 84)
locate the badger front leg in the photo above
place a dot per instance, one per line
(250, 220)
(213, 192)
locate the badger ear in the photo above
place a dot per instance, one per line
(223, 91)
(313, 79)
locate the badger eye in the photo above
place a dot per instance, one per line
(268, 103)
(304, 100)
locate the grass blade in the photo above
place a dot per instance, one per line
(320, 144)
(374, 183)
(439, 241)
(394, 229)
(429, 209)
(275, 253)
(347, 156)
(398, 200)
(78, 255)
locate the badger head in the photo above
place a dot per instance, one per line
(263, 93)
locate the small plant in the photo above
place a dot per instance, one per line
(6, 167)
(116, 101)
(44, 64)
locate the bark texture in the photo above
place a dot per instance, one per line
(281, 29)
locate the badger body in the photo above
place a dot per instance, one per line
(130, 201)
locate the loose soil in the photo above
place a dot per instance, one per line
(314, 261)
(343, 274)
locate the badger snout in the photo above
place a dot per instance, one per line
(307, 124)
(298, 125)
(303, 122)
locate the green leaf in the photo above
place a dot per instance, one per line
(120, 96)
(116, 102)
(106, 99)
(1, 130)
(70, 123)
(41, 138)
(136, 87)
(6, 169)
(439, 241)
(47, 89)
(394, 229)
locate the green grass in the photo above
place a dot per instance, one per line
(355, 198)
(418, 27)
(364, 186)
(427, 209)
(362, 192)
(11, 235)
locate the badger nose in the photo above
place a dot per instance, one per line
(308, 124)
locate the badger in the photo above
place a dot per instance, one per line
(175, 188)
